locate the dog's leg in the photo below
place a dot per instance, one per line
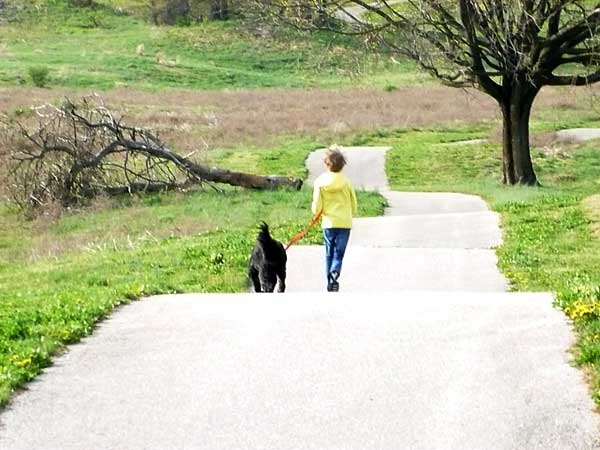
(268, 280)
(281, 276)
(253, 275)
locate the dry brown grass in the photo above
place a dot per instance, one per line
(189, 119)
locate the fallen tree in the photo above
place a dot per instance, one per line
(77, 151)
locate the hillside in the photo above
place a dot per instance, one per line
(115, 45)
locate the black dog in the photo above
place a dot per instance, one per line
(267, 262)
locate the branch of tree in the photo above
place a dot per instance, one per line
(79, 150)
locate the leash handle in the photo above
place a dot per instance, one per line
(303, 232)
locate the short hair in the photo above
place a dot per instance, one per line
(334, 159)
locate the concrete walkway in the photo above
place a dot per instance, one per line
(378, 368)
(578, 134)
(355, 14)
(434, 241)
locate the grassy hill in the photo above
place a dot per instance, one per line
(106, 47)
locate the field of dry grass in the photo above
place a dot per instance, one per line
(187, 120)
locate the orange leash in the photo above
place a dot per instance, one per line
(303, 232)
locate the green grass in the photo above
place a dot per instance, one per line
(549, 239)
(82, 47)
(58, 278)
(287, 159)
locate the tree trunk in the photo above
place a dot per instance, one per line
(196, 173)
(516, 157)
(219, 10)
(243, 179)
(215, 174)
(508, 166)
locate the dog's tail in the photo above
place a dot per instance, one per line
(264, 236)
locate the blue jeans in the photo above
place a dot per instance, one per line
(336, 240)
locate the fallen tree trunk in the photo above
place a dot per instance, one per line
(245, 179)
(215, 174)
(147, 188)
(77, 151)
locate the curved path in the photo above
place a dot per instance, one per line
(578, 134)
(430, 369)
(453, 233)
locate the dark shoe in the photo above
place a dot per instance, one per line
(333, 284)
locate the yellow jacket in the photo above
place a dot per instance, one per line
(334, 195)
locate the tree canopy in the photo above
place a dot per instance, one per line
(508, 49)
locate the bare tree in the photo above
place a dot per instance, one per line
(79, 150)
(508, 49)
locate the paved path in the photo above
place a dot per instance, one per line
(453, 233)
(354, 14)
(578, 134)
(370, 369)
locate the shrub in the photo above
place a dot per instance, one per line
(39, 75)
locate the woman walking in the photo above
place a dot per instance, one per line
(334, 196)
